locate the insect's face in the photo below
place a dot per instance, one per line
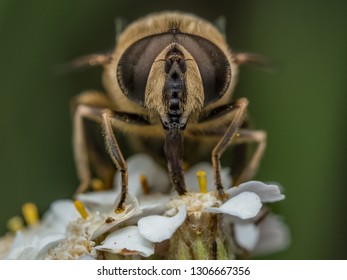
(173, 74)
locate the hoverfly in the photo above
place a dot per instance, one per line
(168, 81)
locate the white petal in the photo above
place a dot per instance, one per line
(115, 219)
(274, 235)
(245, 205)
(47, 242)
(246, 235)
(154, 203)
(151, 204)
(60, 214)
(127, 241)
(34, 243)
(98, 201)
(267, 193)
(158, 228)
(28, 253)
(141, 164)
(86, 258)
(21, 245)
(192, 181)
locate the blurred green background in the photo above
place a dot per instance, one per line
(301, 105)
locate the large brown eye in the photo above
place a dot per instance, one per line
(135, 65)
(136, 62)
(213, 65)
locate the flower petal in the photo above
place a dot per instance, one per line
(33, 244)
(60, 214)
(127, 241)
(114, 219)
(158, 228)
(141, 164)
(192, 182)
(274, 235)
(21, 247)
(246, 235)
(267, 193)
(245, 205)
(151, 204)
(86, 258)
(154, 203)
(47, 242)
(98, 201)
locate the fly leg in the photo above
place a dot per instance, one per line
(245, 136)
(116, 155)
(230, 133)
(86, 107)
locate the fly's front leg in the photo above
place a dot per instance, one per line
(116, 155)
(94, 107)
(251, 136)
(80, 145)
(230, 133)
(102, 116)
(80, 150)
(232, 113)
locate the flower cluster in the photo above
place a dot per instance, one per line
(157, 223)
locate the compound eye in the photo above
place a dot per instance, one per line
(213, 65)
(135, 64)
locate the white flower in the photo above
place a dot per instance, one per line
(255, 234)
(139, 165)
(149, 205)
(266, 192)
(245, 205)
(76, 243)
(115, 218)
(34, 242)
(246, 235)
(100, 201)
(274, 235)
(152, 214)
(246, 199)
(127, 241)
(265, 234)
(192, 182)
(154, 203)
(158, 228)
(61, 232)
(31, 246)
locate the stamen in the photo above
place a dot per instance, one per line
(81, 209)
(202, 181)
(185, 166)
(97, 184)
(144, 183)
(15, 223)
(30, 213)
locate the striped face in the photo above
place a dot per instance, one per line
(176, 68)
